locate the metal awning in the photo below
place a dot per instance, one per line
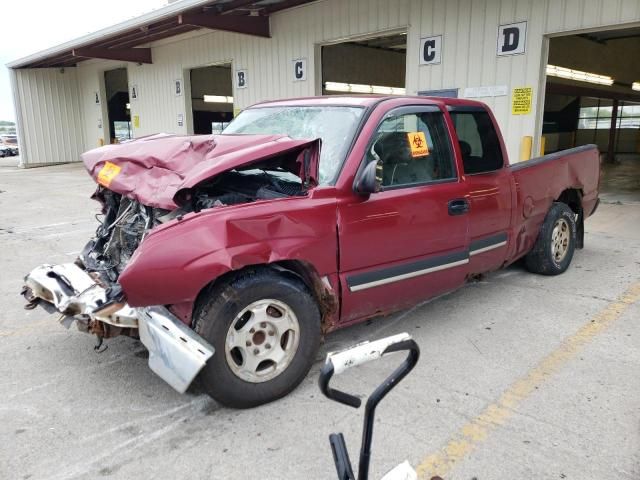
(122, 41)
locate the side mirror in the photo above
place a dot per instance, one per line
(367, 182)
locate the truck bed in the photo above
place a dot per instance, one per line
(542, 180)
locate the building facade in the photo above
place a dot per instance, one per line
(495, 51)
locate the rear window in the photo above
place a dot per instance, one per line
(479, 142)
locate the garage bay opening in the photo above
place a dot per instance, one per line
(594, 97)
(211, 98)
(118, 108)
(374, 65)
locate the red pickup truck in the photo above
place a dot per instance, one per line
(231, 255)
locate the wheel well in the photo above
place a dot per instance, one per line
(324, 295)
(573, 198)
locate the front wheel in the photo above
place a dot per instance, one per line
(556, 242)
(265, 327)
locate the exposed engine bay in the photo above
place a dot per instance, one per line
(124, 222)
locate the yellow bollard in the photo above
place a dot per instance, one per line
(543, 141)
(101, 142)
(525, 148)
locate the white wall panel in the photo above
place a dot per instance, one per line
(50, 117)
(267, 61)
(469, 59)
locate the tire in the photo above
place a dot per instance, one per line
(255, 317)
(553, 251)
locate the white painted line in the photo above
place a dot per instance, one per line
(49, 225)
(68, 232)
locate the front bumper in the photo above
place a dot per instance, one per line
(176, 353)
(74, 293)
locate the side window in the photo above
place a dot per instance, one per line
(479, 141)
(412, 148)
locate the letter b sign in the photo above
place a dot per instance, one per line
(512, 39)
(241, 79)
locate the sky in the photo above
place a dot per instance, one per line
(30, 26)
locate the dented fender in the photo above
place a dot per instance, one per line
(178, 259)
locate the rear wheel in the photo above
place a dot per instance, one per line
(265, 328)
(556, 242)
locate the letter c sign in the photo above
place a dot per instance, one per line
(299, 69)
(430, 50)
(512, 39)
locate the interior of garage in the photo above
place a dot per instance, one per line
(118, 108)
(592, 95)
(211, 98)
(372, 65)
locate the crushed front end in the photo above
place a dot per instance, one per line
(146, 185)
(87, 292)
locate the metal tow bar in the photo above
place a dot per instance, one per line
(337, 363)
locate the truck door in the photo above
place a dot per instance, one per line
(488, 183)
(408, 241)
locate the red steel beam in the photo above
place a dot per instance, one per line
(137, 55)
(169, 32)
(138, 33)
(249, 25)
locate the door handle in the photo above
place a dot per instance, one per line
(458, 206)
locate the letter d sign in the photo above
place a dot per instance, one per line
(512, 39)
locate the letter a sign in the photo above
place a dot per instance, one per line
(512, 39)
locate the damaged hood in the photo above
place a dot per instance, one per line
(153, 169)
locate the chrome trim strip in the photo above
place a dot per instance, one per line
(397, 278)
(486, 249)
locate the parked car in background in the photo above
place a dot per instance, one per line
(9, 144)
(6, 151)
(231, 255)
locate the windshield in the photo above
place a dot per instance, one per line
(335, 126)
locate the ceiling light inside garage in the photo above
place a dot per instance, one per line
(217, 99)
(360, 88)
(562, 72)
(635, 86)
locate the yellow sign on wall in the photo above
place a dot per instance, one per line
(136, 121)
(521, 100)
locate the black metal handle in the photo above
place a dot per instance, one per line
(459, 206)
(341, 457)
(378, 394)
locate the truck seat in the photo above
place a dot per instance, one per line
(398, 166)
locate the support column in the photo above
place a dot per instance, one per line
(612, 133)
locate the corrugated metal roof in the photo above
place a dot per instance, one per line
(156, 25)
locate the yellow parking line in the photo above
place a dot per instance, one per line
(477, 430)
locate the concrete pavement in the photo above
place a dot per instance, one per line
(68, 412)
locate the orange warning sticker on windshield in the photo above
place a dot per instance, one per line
(108, 173)
(418, 144)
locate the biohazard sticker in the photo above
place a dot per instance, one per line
(108, 173)
(418, 144)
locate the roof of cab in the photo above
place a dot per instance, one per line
(365, 101)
